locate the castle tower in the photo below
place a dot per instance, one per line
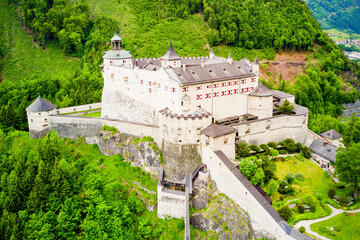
(171, 58)
(118, 56)
(260, 102)
(255, 66)
(38, 113)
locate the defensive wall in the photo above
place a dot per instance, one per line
(275, 129)
(230, 181)
(80, 108)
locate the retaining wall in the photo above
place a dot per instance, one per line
(87, 107)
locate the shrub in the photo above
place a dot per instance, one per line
(272, 144)
(319, 196)
(254, 148)
(285, 212)
(323, 229)
(298, 146)
(301, 208)
(282, 151)
(308, 199)
(290, 177)
(288, 158)
(340, 185)
(269, 174)
(242, 149)
(299, 177)
(331, 193)
(306, 152)
(337, 228)
(290, 148)
(300, 157)
(264, 147)
(110, 129)
(302, 229)
(326, 174)
(274, 152)
(344, 201)
(313, 207)
(272, 186)
(346, 214)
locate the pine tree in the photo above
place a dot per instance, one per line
(286, 107)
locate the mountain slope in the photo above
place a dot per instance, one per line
(340, 14)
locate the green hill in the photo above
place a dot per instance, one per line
(340, 14)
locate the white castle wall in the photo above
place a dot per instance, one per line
(171, 203)
(182, 129)
(39, 123)
(79, 108)
(274, 129)
(261, 106)
(262, 222)
(88, 127)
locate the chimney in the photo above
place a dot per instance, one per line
(230, 59)
(325, 143)
(184, 67)
(202, 63)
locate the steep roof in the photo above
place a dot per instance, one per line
(221, 71)
(331, 134)
(116, 37)
(171, 55)
(117, 54)
(40, 105)
(256, 61)
(324, 149)
(261, 91)
(281, 95)
(216, 130)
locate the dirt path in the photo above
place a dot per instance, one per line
(307, 223)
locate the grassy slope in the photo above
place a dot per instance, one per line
(188, 35)
(348, 225)
(25, 58)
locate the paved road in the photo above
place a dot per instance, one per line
(307, 223)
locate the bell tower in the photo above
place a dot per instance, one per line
(116, 42)
(171, 59)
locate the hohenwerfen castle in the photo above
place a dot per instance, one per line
(199, 106)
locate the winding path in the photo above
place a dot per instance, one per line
(307, 223)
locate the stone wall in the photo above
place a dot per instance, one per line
(180, 158)
(228, 183)
(274, 129)
(86, 107)
(171, 203)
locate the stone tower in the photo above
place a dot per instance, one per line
(38, 113)
(255, 66)
(117, 56)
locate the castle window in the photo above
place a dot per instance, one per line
(216, 85)
(251, 88)
(199, 88)
(253, 79)
(111, 62)
(209, 86)
(166, 88)
(45, 119)
(223, 93)
(185, 89)
(229, 92)
(141, 81)
(45, 125)
(242, 90)
(207, 95)
(229, 83)
(246, 89)
(223, 84)
(247, 132)
(150, 90)
(124, 61)
(236, 91)
(182, 103)
(180, 141)
(158, 85)
(199, 97)
(173, 90)
(149, 83)
(216, 94)
(32, 120)
(39, 114)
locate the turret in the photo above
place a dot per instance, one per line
(260, 102)
(171, 58)
(255, 66)
(118, 56)
(38, 117)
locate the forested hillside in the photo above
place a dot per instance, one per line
(340, 14)
(82, 28)
(61, 189)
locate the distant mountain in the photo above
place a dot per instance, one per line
(340, 14)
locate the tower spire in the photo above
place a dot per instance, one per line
(171, 55)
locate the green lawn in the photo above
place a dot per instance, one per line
(94, 114)
(348, 227)
(315, 182)
(25, 57)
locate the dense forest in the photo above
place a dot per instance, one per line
(53, 188)
(340, 14)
